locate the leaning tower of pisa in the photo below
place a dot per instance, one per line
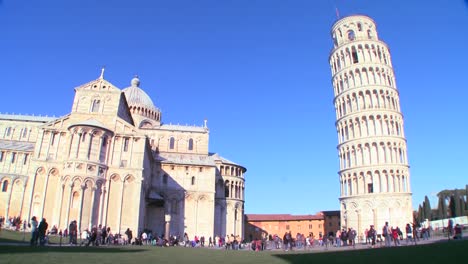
(374, 172)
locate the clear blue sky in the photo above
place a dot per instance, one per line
(258, 71)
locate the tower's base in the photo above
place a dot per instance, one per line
(362, 211)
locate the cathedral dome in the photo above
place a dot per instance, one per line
(136, 97)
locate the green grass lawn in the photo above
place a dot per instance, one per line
(442, 252)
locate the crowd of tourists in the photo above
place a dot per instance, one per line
(102, 235)
(388, 236)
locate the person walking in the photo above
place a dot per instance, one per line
(34, 231)
(352, 237)
(42, 229)
(409, 234)
(387, 232)
(372, 234)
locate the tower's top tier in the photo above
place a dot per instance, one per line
(351, 28)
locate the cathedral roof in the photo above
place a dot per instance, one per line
(185, 128)
(18, 117)
(216, 156)
(188, 159)
(137, 97)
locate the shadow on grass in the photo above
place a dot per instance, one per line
(429, 253)
(8, 240)
(21, 249)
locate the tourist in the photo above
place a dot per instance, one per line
(338, 238)
(409, 234)
(352, 237)
(395, 236)
(73, 232)
(450, 228)
(34, 231)
(366, 235)
(372, 235)
(42, 229)
(285, 241)
(129, 234)
(386, 232)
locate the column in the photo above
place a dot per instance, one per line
(98, 158)
(102, 193)
(32, 195)
(235, 221)
(132, 142)
(80, 213)
(48, 145)
(40, 145)
(90, 142)
(108, 149)
(121, 204)
(105, 206)
(78, 145)
(7, 208)
(44, 195)
(71, 137)
(60, 206)
(22, 198)
(69, 205)
(91, 210)
(111, 161)
(58, 144)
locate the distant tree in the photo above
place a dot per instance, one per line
(459, 206)
(465, 201)
(457, 203)
(445, 193)
(427, 208)
(420, 214)
(435, 214)
(442, 208)
(462, 205)
(453, 206)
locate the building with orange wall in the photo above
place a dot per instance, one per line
(262, 225)
(331, 221)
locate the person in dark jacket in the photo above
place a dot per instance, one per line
(42, 229)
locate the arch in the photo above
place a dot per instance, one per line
(7, 131)
(95, 105)
(351, 35)
(75, 200)
(146, 124)
(115, 177)
(5, 186)
(172, 143)
(190, 144)
(354, 55)
(129, 178)
(226, 189)
(53, 172)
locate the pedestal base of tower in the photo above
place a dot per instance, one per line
(361, 211)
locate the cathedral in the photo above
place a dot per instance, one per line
(112, 162)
